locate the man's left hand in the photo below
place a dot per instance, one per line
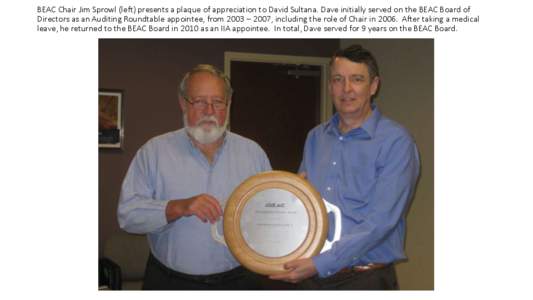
(298, 270)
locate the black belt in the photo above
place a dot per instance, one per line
(208, 279)
(358, 269)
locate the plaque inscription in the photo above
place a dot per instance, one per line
(274, 222)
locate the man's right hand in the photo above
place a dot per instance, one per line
(204, 206)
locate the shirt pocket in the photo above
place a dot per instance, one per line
(357, 181)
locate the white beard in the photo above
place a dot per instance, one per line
(206, 135)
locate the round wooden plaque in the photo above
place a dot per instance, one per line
(273, 218)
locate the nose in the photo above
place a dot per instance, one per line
(209, 109)
(347, 86)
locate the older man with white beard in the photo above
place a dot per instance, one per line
(178, 183)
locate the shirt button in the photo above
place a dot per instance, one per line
(328, 188)
(340, 138)
(334, 163)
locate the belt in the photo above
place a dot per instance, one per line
(358, 269)
(208, 279)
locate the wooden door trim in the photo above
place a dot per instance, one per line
(326, 106)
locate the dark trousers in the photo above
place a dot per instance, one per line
(159, 277)
(376, 279)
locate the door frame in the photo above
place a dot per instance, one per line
(326, 106)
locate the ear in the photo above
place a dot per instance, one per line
(182, 103)
(229, 105)
(374, 85)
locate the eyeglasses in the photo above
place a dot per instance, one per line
(201, 103)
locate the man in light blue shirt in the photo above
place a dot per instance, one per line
(367, 165)
(178, 183)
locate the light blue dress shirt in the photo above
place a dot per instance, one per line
(169, 167)
(370, 173)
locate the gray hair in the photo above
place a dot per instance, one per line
(182, 91)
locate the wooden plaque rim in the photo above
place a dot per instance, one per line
(313, 204)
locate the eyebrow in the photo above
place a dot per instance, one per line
(350, 75)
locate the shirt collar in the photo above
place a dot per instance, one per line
(196, 152)
(367, 129)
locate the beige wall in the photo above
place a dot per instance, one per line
(406, 96)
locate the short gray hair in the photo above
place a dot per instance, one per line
(182, 90)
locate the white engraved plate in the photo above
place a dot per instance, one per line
(274, 222)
